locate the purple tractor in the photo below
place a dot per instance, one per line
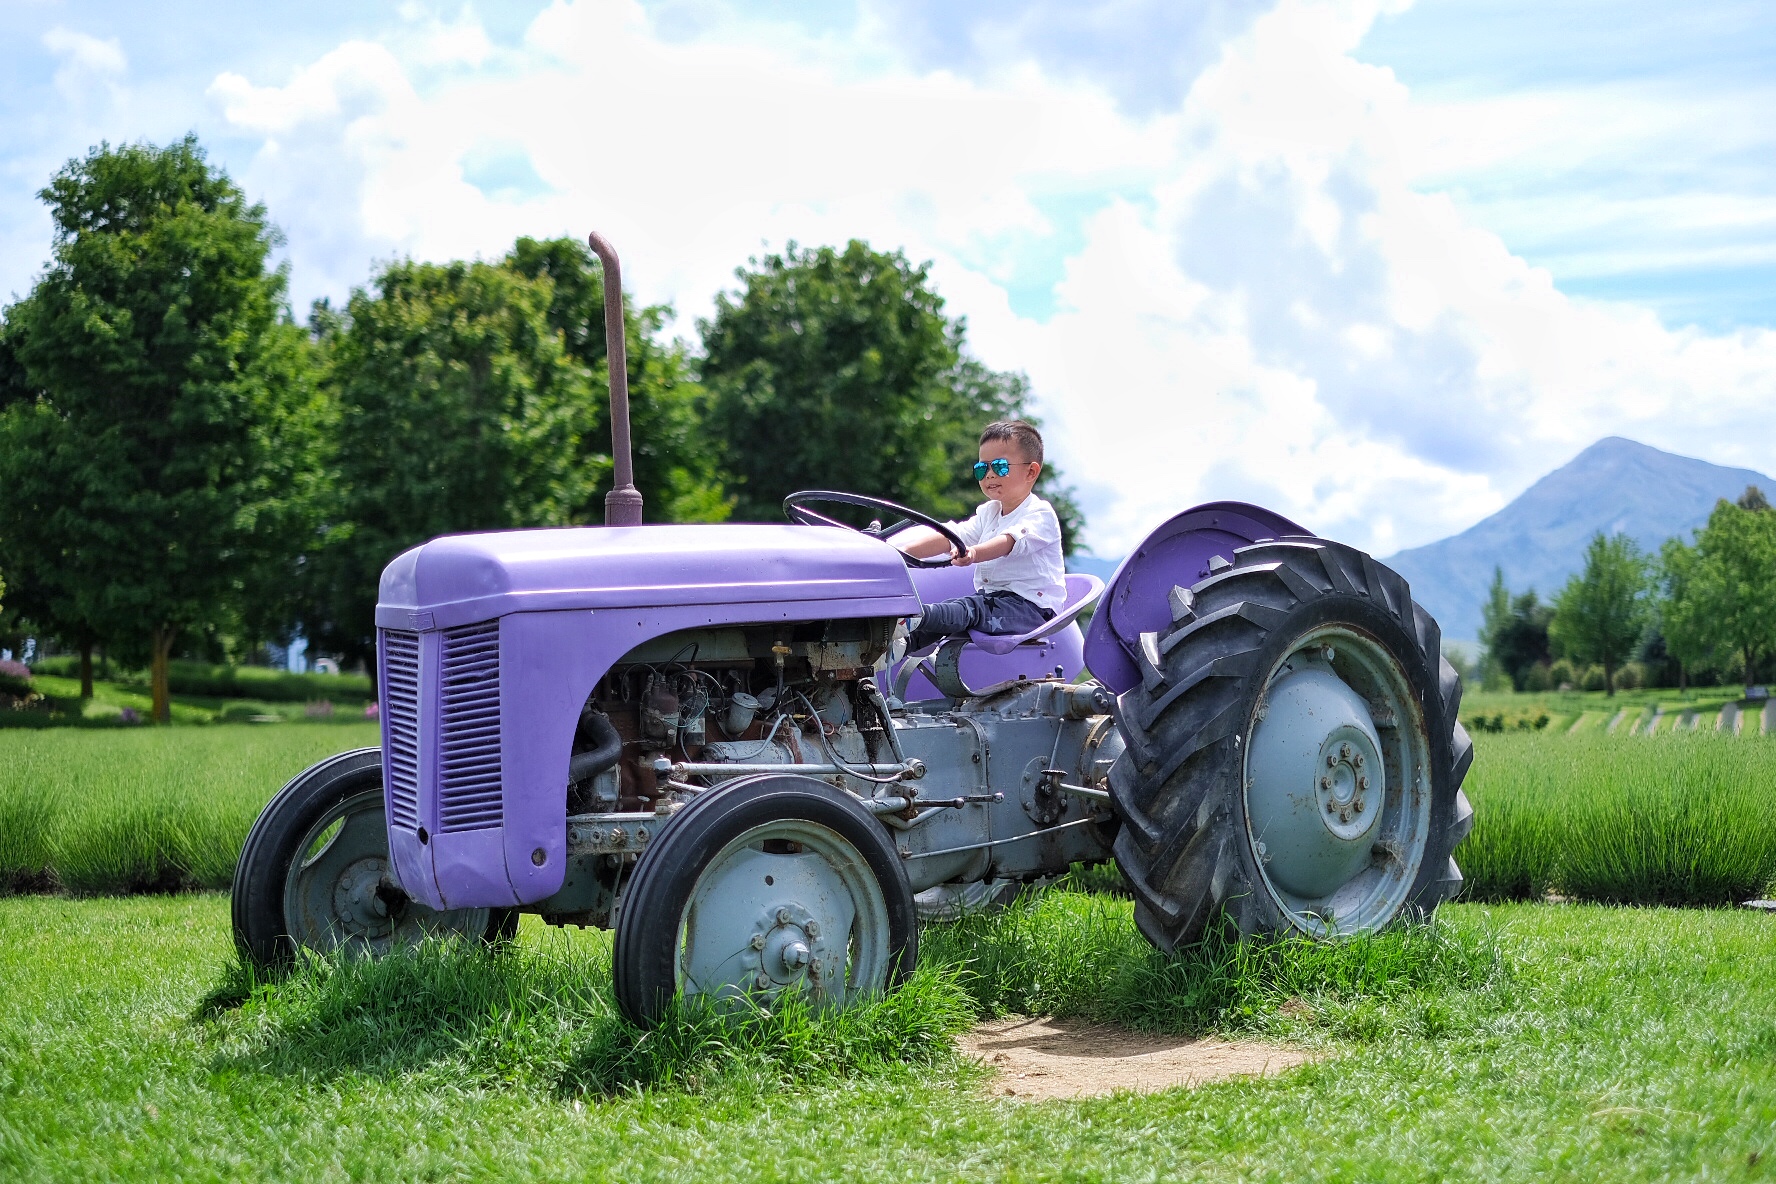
(703, 736)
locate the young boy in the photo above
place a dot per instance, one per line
(1014, 545)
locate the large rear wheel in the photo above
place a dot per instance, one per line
(1294, 758)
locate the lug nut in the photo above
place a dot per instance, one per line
(1331, 760)
(763, 980)
(1357, 760)
(1344, 750)
(1357, 805)
(1325, 783)
(758, 941)
(1362, 783)
(782, 916)
(1331, 809)
(813, 928)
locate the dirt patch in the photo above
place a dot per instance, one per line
(1035, 1059)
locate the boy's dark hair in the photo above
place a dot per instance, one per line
(1021, 432)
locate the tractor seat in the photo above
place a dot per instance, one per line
(996, 654)
(941, 583)
(1082, 592)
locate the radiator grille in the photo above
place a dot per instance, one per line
(400, 724)
(469, 794)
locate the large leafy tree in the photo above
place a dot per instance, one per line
(169, 395)
(1600, 614)
(1727, 594)
(1683, 623)
(838, 369)
(459, 408)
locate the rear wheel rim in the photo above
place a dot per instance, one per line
(1338, 784)
(340, 893)
(786, 906)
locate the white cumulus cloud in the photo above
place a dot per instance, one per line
(1250, 293)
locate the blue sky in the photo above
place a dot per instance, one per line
(1376, 265)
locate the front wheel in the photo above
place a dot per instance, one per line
(1294, 758)
(766, 885)
(315, 874)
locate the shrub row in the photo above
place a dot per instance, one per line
(144, 809)
(1681, 819)
(233, 682)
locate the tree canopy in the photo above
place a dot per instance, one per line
(1600, 614)
(838, 369)
(458, 408)
(1720, 594)
(166, 393)
(1514, 630)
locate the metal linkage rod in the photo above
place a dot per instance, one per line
(904, 770)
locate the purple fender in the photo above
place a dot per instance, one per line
(1175, 555)
(490, 643)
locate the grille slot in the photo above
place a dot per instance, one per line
(400, 724)
(469, 792)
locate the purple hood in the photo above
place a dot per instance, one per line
(460, 579)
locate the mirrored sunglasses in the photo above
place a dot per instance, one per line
(999, 465)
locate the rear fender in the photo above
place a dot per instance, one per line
(1177, 554)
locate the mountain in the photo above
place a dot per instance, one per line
(1616, 486)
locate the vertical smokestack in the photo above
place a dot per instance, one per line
(622, 505)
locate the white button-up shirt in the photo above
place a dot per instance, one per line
(1033, 569)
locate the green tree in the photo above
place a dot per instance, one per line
(459, 408)
(1730, 591)
(834, 369)
(1682, 622)
(169, 393)
(1514, 630)
(676, 461)
(1600, 614)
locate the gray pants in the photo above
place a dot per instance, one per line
(988, 612)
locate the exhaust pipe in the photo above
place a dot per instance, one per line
(622, 505)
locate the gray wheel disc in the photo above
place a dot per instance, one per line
(788, 904)
(1337, 808)
(341, 894)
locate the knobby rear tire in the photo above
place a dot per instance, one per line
(1180, 788)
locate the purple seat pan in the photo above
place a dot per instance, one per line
(1080, 588)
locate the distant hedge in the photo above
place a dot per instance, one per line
(233, 682)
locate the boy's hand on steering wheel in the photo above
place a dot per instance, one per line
(962, 558)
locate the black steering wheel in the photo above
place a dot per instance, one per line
(796, 507)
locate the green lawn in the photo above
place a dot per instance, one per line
(1525, 1042)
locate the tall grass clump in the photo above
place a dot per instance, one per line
(1075, 954)
(544, 1016)
(143, 809)
(1680, 819)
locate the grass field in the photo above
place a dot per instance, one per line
(1517, 1042)
(127, 809)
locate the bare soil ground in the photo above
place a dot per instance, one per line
(1037, 1059)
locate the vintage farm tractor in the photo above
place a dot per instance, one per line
(695, 734)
